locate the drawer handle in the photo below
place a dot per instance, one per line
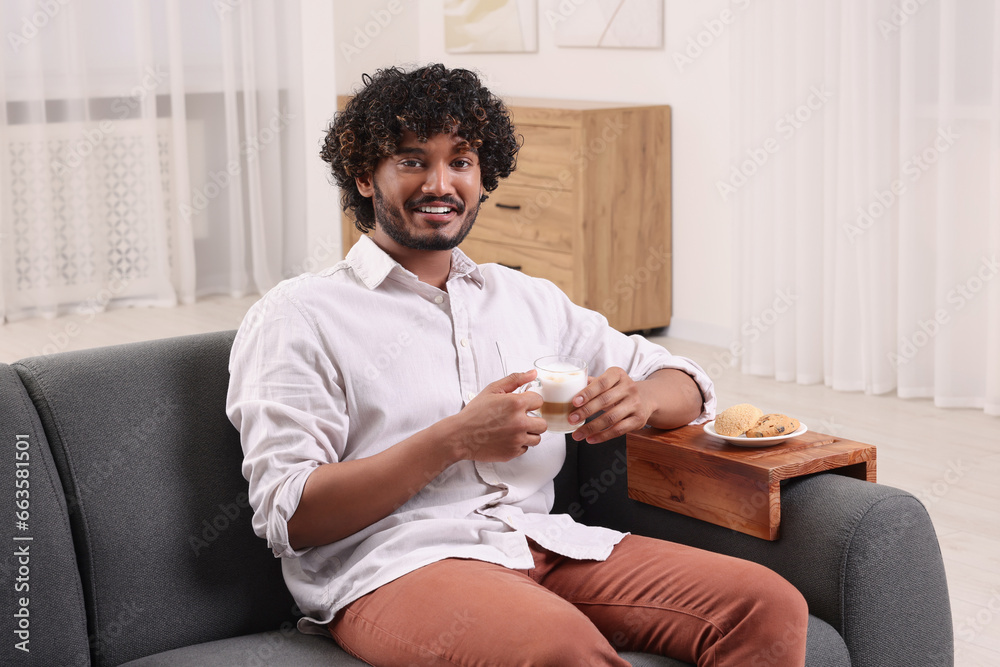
(510, 266)
(510, 207)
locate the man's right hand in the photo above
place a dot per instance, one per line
(495, 426)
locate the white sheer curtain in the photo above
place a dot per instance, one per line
(865, 185)
(150, 152)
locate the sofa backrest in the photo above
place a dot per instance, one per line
(150, 470)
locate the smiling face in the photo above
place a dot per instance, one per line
(427, 195)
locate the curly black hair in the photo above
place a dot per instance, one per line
(427, 101)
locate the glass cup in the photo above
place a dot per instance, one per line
(559, 379)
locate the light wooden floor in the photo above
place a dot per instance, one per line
(950, 459)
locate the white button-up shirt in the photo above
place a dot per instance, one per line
(344, 364)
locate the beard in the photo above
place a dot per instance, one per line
(391, 219)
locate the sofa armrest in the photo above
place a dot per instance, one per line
(865, 556)
(45, 618)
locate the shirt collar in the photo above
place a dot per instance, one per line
(373, 265)
(462, 266)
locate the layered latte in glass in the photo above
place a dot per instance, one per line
(559, 379)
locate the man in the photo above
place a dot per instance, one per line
(400, 476)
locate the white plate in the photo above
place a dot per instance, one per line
(743, 441)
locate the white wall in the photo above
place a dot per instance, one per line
(386, 32)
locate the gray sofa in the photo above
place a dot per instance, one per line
(136, 546)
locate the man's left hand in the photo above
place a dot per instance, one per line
(624, 405)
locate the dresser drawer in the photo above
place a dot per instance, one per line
(546, 157)
(540, 217)
(548, 264)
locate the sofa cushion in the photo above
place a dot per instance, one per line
(824, 648)
(292, 648)
(280, 647)
(38, 566)
(157, 504)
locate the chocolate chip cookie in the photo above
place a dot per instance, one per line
(772, 425)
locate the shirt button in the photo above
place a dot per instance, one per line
(464, 342)
(439, 299)
(469, 396)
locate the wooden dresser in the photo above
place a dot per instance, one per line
(588, 207)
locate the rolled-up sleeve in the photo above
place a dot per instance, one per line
(649, 357)
(286, 400)
(588, 335)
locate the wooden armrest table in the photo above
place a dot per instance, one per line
(688, 471)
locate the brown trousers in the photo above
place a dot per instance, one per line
(649, 595)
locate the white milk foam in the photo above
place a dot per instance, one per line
(561, 387)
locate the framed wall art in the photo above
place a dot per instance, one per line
(624, 24)
(490, 26)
